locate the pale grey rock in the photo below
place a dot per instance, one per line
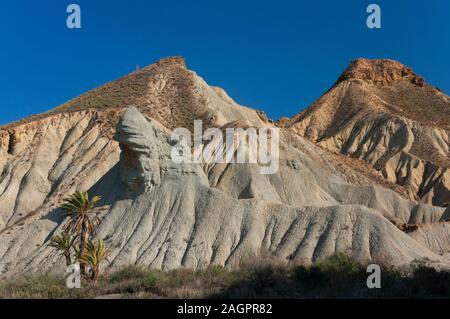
(187, 218)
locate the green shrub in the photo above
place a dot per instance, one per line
(309, 278)
(181, 276)
(152, 279)
(34, 288)
(127, 273)
(262, 277)
(339, 263)
(428, 282)
(336, 277)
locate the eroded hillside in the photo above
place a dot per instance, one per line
(114, 142)
(380, 111)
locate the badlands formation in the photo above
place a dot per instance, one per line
(363, 171)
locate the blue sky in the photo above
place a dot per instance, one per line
(277, 56)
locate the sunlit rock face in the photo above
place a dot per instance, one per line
(380, 111)
(115, 142)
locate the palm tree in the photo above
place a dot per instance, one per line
(83, 218)
(64, 243)
(96, 252)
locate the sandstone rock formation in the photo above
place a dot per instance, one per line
(383, 113)
(115, 142)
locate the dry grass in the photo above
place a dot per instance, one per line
(125, 91)
(424, 104)
(337, 277)
(164, 91)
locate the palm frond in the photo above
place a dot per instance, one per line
(94, 201)
(62, 242)
(81, 211)
(96, 252)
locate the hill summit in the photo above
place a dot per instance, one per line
(380, 111)
(380, 71)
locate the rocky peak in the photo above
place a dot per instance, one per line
(172, 60)
(380, 71)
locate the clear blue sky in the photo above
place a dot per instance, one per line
(278, 56)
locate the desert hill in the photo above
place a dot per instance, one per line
(380, 111)
(114, 142)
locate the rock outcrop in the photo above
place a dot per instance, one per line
(383, 113)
